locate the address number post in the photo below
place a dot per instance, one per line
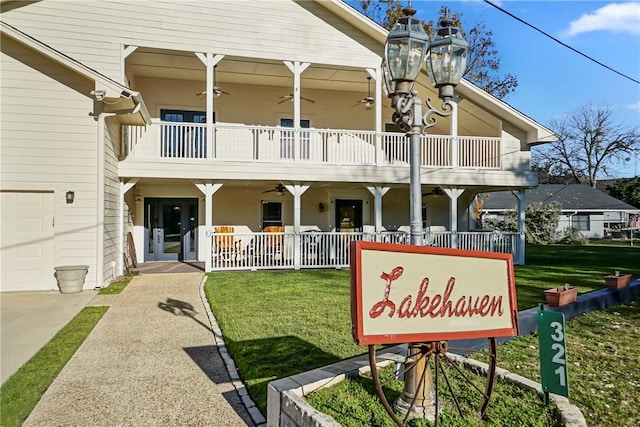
(553, 352)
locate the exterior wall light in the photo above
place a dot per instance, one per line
(69, 196)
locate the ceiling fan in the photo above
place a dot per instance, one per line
(290, 98)
(216, 92)
(437, 191)
(368, 101)
(278, 189)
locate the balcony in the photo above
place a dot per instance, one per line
(274, 144)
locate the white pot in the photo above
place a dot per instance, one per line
(71, 277)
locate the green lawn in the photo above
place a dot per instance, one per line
(279, 323)
(23, 390)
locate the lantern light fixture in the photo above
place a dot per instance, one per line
(69, 196)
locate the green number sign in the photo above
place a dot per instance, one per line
(553, 352)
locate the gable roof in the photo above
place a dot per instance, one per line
(571, 197)
(131, 109)
(536, 133)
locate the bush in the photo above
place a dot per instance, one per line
(572, 236)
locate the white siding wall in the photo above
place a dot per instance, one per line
(48, 143)
(272, 29)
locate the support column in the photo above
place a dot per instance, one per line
(297, 191)
(208, 189)
(522, 207)
(124, 54)
(454, 194)
(376, 76)
(378, 194)
(455, 145)
(124, 188)
(297, 68)
(210, 62)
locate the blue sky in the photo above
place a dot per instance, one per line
(554, 80)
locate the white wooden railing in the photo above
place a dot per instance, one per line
(235, 142)
(254, 251)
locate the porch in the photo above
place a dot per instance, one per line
(268, 144)
(316, 249)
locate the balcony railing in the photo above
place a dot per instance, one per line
(255, 251)
(313, 146)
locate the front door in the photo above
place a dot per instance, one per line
(171, 226)
(348, 215)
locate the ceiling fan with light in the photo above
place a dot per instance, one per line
(216, 92)
(278, 189)
(368, 100)
(437, 191)
(290, 98)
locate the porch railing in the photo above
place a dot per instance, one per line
(255, 251)
(233, 142)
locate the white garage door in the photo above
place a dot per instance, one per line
(26, 242)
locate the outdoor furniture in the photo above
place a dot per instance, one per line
(226, 246)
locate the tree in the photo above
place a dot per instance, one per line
(483, 62)
(627, 190)
(589, 145)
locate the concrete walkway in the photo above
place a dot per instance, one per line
(151, 360)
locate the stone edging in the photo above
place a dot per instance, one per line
(287, 403)
(241, 389)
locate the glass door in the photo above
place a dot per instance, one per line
(171, 228)
(348, 215)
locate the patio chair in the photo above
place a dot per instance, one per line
(227, 248)
(273, 244)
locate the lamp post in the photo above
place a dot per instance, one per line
(446, 57)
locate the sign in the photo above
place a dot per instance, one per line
(405, 294)
(553, 352)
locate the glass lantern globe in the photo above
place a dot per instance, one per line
(447, 57)
(404, 52)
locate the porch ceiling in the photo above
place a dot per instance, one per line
(179, 65)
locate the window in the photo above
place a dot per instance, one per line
(271, 214)
(287, 139)
(580, 222)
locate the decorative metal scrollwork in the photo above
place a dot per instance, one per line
(408, 106)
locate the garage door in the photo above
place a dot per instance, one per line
(26, 242)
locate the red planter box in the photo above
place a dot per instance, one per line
(617, 282)
(559, 296)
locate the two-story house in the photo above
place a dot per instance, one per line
(243, 134)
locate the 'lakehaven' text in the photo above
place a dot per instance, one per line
(438, 305)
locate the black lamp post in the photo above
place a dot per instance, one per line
(446, 57)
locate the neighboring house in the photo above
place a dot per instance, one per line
(594, 213)
(171, 120)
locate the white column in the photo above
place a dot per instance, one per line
(455, 146)
(454, 194)
(297, 68)
(208, 189)
(210, 62)
(124, 187)
(124, 54)
(376, 76)
(297, 191)
(378, 194)
(522, 208)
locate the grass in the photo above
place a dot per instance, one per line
(279, 323)
(118, 286)
(582, 266)
(603, 364)
(354, 403)
(22, 391)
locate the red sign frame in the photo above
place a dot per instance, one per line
(489, 315)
